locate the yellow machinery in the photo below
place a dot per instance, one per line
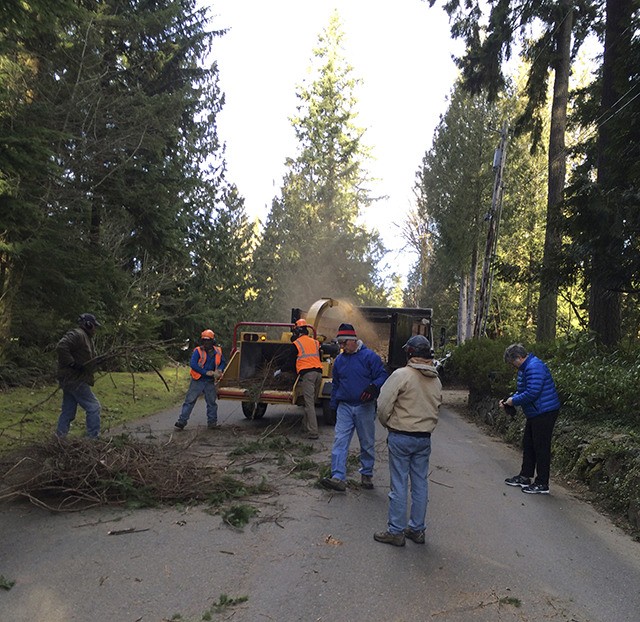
(261, 368)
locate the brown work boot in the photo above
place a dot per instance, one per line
(396, 539)
(333, 483)
(366, 481)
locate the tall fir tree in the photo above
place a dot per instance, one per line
(130, 209)
(313, 244)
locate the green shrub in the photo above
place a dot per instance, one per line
(592, 383)
(479, 364)
(600, 388)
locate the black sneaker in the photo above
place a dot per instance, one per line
(180, 425)
(536, 489)
(415, 536)
(518, 480)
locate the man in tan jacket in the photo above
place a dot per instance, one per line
(408, 407)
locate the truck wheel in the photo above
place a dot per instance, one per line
(253, 410)
(328, 414)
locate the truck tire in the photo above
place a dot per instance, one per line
(253, 410)
(328, 414)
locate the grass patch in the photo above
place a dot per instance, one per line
(277, 445)
(30, 414)
(225, 602)
(6, 584)
(239, 515)
(510, 600)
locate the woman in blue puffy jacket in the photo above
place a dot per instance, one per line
(536, 394)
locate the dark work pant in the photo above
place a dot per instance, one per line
(536, 444)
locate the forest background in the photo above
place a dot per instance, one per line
(114, 195)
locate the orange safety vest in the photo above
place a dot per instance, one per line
(202, 354)
(308, 353)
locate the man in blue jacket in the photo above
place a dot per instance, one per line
(358, 374)
(207, 364)
(536, 394)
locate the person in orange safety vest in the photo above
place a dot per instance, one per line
(309, 369)
(207, 364)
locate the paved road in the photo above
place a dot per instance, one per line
(492, 553)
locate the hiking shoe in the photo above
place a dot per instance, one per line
(333, 483)
(366, 481)
(536, 489)
(415, 536)
(518, 480)
(180, 425)
(313, 437)
(396, 539)
(212, 426)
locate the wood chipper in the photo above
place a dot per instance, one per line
(261, 368)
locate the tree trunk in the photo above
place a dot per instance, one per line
(471, 292)
(10, 279)
(463, 301)
(604, 296)
(549, 283)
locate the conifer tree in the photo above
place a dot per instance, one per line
(313, 245)
(487, 47)
(121, 206)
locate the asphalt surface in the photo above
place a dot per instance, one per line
(492, 553)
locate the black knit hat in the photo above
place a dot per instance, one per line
(88, 318)
(346, 332)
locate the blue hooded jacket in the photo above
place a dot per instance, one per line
(353, 373)
(535, 389)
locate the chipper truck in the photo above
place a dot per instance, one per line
(261, 367)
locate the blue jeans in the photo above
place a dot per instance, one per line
(196, 389)
(83, 395)
(408, 462)
(360, 418)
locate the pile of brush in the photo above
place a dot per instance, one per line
(74, 474)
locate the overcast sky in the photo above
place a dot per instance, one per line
(400, 49)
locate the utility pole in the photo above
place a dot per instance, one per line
(493, 217)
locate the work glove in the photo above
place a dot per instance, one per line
(510, 410)
(370, 393)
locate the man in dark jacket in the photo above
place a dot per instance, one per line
(358, 374)
(536, 394)
(76, 364)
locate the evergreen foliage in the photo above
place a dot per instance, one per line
(590, 260)
(453, 191)
(113, 192)
(603, 206)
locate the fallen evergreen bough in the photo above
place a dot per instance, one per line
(74, 474)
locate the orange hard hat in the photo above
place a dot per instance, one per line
(301, 322)
(207, 334)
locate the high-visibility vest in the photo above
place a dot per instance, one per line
(308, 353)
(202, 359)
